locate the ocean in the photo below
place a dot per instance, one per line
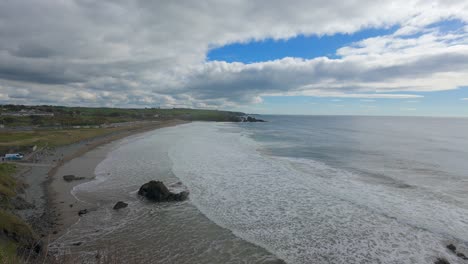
(304, 189)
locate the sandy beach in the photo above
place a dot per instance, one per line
(55, 208)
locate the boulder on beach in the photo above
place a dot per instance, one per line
(452, 247)
(120, 205)
(69, 178)
(82, 212)
(441, 261)
(158, 192)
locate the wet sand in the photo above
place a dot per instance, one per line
(64, 203)
(51, 196)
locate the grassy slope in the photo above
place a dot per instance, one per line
(14, 232)
(7, 182)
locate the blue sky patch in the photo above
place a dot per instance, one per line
(306, 47)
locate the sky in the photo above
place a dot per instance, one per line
(322, 57)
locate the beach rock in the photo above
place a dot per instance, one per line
(82, 212)
(182, 196)
(69, 178)
(452, 248)
(275, 261)
(158, 192)
(120, 205)
(461, 255)
(441, 261)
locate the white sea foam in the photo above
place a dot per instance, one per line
(302, 210)
(305, 211)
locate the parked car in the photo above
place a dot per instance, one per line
(14, 156)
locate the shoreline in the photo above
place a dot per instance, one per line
(51, 196)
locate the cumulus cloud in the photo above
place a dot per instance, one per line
(144, 53)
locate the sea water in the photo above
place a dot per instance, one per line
(316, 189)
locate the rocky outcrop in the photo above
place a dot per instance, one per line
(69, 178)
(246, 118)
(120, 205)
(158, 192)
(252, 119)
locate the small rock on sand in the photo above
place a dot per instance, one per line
(120, 205)
(82, 212)
(69, 178)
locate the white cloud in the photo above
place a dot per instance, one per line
(139, 53)
(464, 99)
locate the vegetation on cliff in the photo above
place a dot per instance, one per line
(15, 234)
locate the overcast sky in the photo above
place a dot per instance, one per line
(294, 57)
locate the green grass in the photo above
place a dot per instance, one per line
(7, 182)
(74, 116)
(50, 137)
(14, 232)
(8, 252)
(15, 226)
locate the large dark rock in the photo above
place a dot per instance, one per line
(120, 205)
(158, 192)
(70, 178)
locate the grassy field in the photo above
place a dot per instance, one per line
(66, 124)
(79, 116)
(51, 137)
